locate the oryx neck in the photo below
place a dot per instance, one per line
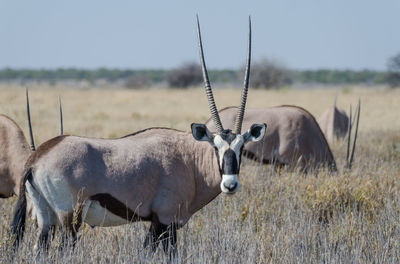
(207, 175)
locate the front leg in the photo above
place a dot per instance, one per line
(166, 234)
(169, 240)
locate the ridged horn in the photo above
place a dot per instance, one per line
(355, 134)
(28, 113)
(61, 116)
(209, 93)
(242, 107)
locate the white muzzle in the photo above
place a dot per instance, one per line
(230, 183)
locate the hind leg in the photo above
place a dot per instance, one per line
(31, 211)
(47, 233)
(45, 216)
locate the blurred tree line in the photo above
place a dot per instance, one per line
(264, 74)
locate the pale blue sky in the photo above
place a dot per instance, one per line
(303, 34)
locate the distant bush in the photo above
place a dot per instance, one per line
(184, 76)
(393, 75)
(268, 74)
(326, 76)
(264, 73)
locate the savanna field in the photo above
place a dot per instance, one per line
(286, 217)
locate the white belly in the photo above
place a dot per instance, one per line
(96, 215)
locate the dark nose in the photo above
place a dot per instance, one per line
(230, 164)
(232, 186)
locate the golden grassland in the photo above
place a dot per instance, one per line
(286, 217)
(116, 112)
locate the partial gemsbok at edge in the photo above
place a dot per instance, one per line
(334, 123)
(14, 152)
(159, 175)
(293, 137)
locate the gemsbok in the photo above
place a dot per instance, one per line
(334, 123)
(159, 175)
(293, 137)
(14, 152)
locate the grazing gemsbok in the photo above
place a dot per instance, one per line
(334, 123)
(14, 151)
(293, 137)
(159, 175)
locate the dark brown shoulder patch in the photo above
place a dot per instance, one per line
(43, 149)
(117, 207)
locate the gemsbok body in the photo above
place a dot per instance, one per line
(159, 175)
(293, 137)
(334, 123)
(14, 151)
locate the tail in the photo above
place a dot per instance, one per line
(18, 222)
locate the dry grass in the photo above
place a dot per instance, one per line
(351, 217)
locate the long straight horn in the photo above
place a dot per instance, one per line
(348, 139)
(28, 112)
(209, 93)
(61, 116)
(355, 135)
(242, 107)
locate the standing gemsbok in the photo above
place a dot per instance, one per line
(159, 175)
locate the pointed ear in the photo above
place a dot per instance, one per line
(255, 133)
(201, 133)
